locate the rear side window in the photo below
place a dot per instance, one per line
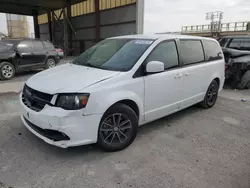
(48, 45)
(191, 51)
(222, 41)
(37, 45)
(240, 43)
(24, 47)
(165, 52)
(212, 50)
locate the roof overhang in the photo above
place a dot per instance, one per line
(33, 7)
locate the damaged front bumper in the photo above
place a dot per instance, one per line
(60, 127)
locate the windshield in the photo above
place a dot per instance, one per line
(114, 54)
(6, 45)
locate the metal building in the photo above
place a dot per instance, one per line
(17, 25)
(78, 24)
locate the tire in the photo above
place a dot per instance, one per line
(114, 134)
(50, 63)
(245, 81)
(7, 71)
(211, 95)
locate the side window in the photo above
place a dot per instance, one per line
(165, 52)
(240, 43)
(48, 45)
(222, 41)
(212, 50)
(191, 51)
(24, 47)
(37, 46)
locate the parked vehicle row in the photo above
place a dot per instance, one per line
(119, 84)
(26, 54)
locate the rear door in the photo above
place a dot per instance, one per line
(39, 52)
(193, 70)
(199, 68)
(24, 48)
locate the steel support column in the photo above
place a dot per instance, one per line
(50, 26)
(36, 26)
(53, 28)
(97, 20)
(70, 49)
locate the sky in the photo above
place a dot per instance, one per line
(171, 15)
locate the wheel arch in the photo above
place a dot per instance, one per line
(130, 103)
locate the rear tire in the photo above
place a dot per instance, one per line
(211, 95)
(118, 128)
(50, 63)
(7, 71)
(245, 81)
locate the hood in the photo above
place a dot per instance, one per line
(68, 78)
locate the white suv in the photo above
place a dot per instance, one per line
(120, 84)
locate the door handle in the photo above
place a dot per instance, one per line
(187, 74)
(178, 76)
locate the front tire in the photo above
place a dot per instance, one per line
(211, 95)
(50, 63)
(118, 128)
(7, 71)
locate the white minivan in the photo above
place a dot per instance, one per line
(106, 93)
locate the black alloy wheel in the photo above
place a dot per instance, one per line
(211, 95)
(118, 128)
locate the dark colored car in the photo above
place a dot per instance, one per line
(25, 54)
(237, 56)
(236, 42)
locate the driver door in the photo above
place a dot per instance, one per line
(163, 90)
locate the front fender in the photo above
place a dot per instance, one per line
(101, 105)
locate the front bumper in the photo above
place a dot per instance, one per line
(61, 128)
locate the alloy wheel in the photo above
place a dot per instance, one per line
(7, 71)
(212, 94)
(51, 63)
(116, 129)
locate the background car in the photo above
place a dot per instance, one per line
(59, 51)
(25, 54)
(236, 50)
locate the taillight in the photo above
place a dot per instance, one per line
(59, 50)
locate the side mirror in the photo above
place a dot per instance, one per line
(154, 67)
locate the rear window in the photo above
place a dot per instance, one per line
(191, 51)
(212, 50)
(240, 43)
(48, 45)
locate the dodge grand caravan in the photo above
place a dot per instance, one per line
(119, 84)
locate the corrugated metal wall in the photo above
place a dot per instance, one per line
(87, 7)
(117, 17)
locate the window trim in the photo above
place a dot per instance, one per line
(194, 63)
(138, 73)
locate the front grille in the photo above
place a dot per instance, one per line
(48, 133)
(34, 99)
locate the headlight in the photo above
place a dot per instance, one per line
(72, 101)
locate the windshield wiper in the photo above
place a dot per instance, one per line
(90, 65)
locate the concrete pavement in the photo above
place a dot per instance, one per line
(194, 148)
